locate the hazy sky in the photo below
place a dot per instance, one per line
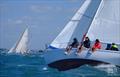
(45, 18)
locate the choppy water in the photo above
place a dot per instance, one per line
(32, 66)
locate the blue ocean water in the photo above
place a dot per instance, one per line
(32, 66)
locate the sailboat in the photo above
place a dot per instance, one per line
(21, 46)
(104, 26)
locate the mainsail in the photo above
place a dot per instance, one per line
(106, 23)
(61, 41)
(21, 45)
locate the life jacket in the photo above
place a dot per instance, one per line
(114, 46)
(97, 45)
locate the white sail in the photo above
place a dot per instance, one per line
(106, 23)
(21, 45)
(64, 37)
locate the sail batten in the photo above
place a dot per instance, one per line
(106, 26)
(64, 37)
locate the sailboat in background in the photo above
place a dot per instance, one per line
(21, 46)
(104, 26)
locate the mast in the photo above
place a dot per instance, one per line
(91, 23)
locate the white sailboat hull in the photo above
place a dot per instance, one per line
(59, 59)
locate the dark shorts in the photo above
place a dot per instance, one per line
(86, 46)
(74, 45)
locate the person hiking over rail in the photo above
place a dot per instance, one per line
(74, 44)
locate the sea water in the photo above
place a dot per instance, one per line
(34, 66)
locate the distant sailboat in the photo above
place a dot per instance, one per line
(105, 26)
(21, 47)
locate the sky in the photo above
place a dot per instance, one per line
(45, 18)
